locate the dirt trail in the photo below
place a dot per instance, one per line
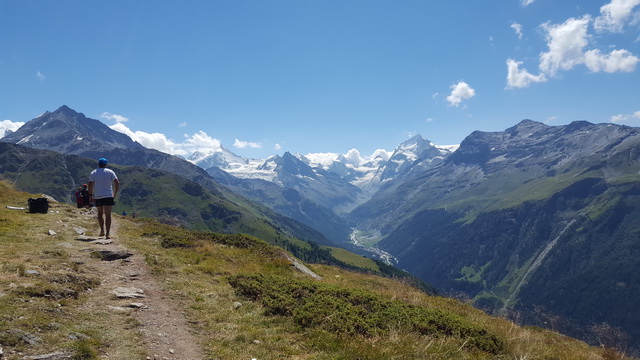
(165, 333)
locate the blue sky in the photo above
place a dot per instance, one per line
(309, 76)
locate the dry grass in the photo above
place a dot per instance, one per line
(46, 282)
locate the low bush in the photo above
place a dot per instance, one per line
(351, 312)
(171, 237)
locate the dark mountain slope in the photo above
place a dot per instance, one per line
(533, 220)
(319, 186)
(288, 202)
(572, 258)
(530, 161)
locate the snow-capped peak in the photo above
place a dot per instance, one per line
(359, 170)
(222, 158)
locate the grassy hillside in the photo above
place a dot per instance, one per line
(240, 296)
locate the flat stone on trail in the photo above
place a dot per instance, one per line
(51, 356)
(118, 308)
(111, 255)
(86, 238)
(102, 242)
(79, 230)
(128, 293)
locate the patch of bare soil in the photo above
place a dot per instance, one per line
(128, 287)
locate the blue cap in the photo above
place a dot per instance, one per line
(102, 161)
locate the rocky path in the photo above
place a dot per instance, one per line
(127, 286)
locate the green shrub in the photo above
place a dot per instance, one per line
(85, 350)
(171, 237)
(351, 312)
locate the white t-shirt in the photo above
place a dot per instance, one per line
(102, 179)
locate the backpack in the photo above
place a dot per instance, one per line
(39, 205)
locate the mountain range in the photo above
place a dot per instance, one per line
(538, 223)
(211, 206)
(319, 194)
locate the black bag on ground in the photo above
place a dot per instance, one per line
(39, 205)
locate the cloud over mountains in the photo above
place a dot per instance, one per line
(571, 43)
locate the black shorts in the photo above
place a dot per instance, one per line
(105, 202)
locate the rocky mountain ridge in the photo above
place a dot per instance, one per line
(531, 221)
(70, 132)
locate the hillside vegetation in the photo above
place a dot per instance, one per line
(241, 298)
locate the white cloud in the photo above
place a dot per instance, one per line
(517, 28)
(527, 2)
(8, 125)
(627, 119)
(199, 141)
(460, 91)
(277, 147)
(321, 159)
(519, 78)
(245, 144)
(353, 157)
(114, 117)
(615, 61)
(156, 141)
(567, 48)
(182, 124)
(40, 75)
(202, 142)
(382, 153)
(614, 15)
(566, 44)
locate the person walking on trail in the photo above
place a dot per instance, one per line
(103, 188)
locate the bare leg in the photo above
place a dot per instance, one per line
(107, 215)
(100, 219)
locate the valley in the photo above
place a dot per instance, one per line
(367, 244)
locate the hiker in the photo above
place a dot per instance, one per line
(79, 198)
(85, 196)
(103, 188)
